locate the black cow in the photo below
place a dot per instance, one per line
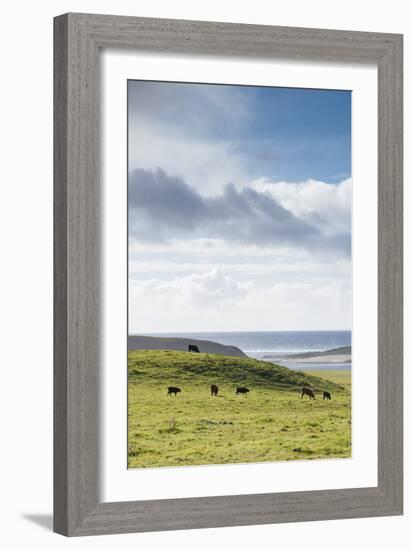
(240, 391)
(193, 348)
(326, 395)
(307, 391)
(214, 390)
(173, 390)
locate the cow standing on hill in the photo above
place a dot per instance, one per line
(214, 390)
(240, 391)
(193, 348)
(307, 391)
(173, 390)
(326, 395)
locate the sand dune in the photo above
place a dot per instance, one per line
(181, 344)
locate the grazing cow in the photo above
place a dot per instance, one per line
(214, 390)
(326, 395)
(240, 391)
(174, 390)
(307, 391)
(193, 348)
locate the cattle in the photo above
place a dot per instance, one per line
(214, 390)
(240, 391)
(173, 390)
(326, 395)
(307, 391)
(193, 348)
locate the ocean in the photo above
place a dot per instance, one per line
(282, 343)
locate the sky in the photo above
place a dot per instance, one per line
(239, 203)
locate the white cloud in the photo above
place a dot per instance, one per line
(161, 205)
(207, 289)
(206, 247)
(306, 305)
(324, 205)
(179, 128)
(215, 301)
(205, 164)
(196, 284)
(275, 268)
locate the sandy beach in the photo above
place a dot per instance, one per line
(337, 355)
(323, 359)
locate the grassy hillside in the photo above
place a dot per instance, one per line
(176, 368)
(271, 423)
(341, 377)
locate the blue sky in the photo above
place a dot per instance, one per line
(303, 133)
(290, 134)
(239, 199)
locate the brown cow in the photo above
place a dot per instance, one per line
(173, 389)
(214, 390)
(307, 391)
(326, 395)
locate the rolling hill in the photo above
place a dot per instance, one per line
(178, 368)
(137, 342)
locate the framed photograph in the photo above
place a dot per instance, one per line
(228, 274)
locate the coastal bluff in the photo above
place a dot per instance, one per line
(136, 342)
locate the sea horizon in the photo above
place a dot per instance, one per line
(274, 341)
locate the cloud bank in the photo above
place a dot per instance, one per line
(216, 301)
(212, 288)
(313, 215)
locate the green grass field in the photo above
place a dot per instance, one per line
(272, 423)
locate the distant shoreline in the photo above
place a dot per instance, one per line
(340, 355)
(335, 355)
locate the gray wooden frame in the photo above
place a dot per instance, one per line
(78, 39)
